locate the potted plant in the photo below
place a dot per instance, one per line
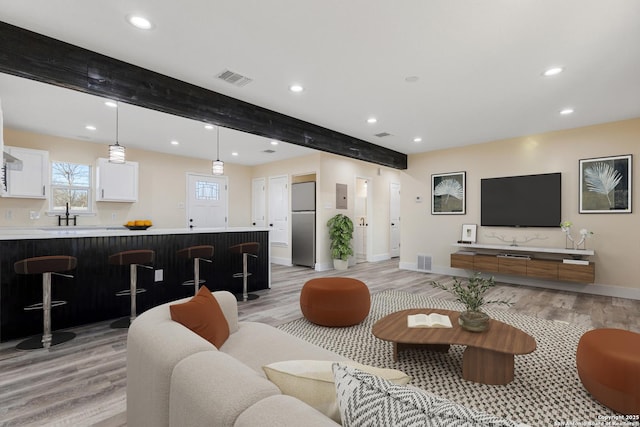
(341, 234)
(471, 295)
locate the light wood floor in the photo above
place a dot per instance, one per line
(82, 382)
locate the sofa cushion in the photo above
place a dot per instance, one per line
(366, 399)
(312, 381)
(203, 315)
(257, 344)
(213, 388)
(282, 411)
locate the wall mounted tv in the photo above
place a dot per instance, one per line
(521, 201)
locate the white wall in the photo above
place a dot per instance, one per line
(617, 236)
(162, 185)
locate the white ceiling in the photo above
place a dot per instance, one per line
(478, 66)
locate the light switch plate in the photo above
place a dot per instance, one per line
(159, 275)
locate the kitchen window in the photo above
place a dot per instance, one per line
(70, 186)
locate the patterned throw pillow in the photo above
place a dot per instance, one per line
(312, 381)
(368, 400)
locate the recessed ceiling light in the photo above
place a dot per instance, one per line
(554, 71)
(208, 127)
(372, 120)
(411, 79)
(417, 139)
(174, 142)
(274, 143)
(566, 111)
(111, 104)
(234, 154)
(90, 127)
(296, 88)
(140, 22)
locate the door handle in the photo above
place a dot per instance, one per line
(254, 223)
(270, 225)
(393, 223)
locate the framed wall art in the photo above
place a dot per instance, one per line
(605, 185)
(469, 233)
(448, 193)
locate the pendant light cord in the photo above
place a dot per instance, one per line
(218, 141)
(117, 121)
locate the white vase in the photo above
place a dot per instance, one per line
(339, 264)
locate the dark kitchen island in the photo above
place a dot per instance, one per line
(90, 294)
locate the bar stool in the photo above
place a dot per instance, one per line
(246, 249)
(197, 253)
(134, 259)
(46, 265)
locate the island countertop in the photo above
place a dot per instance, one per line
(20, 233)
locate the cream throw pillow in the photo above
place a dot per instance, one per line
(312, 381)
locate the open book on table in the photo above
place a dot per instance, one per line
(433, 320)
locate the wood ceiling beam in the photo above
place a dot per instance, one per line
(34, 56)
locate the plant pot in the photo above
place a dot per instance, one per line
(339, 264)
(473, 321)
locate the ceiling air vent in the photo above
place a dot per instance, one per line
(269, 151)
(234, 78)
(382, 134)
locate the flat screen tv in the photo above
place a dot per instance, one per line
(521, 201)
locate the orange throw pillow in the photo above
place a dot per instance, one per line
(203, 315)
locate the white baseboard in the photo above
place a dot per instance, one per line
(324, 266)
(281, 261)
(379, 257)
(584, 288)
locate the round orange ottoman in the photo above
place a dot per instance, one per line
(335, 301)
(608, 362)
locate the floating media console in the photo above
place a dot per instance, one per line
(534, 262)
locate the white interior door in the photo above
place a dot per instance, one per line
(258, 202)
(394, 217)
(207, 201)
(279, 209)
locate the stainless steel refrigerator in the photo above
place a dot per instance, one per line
(303, 224)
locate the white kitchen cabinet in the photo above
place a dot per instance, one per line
(33, 180)
(116, 182)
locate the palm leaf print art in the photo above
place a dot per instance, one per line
(450, 188)
(601, 178)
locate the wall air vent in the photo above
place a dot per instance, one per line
(269, 151)
(382, 134)
(234, 78)
(424, 263)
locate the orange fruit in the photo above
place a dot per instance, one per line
(139, 223)
(131, 223)
(147, 223)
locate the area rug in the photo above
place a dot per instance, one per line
(546, 390)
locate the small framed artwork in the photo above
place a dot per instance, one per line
(448, 193)
(469, 233)
(605, 185)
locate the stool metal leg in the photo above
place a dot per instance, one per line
(246, 296)
(133, 291)
(46, 310)
(48, 338)
(245, 277)
(133, 279)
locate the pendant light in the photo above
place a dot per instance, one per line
(217, 167)
(116, 151)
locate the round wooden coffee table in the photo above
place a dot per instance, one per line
(488, 358)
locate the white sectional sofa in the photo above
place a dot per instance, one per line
(176, 378)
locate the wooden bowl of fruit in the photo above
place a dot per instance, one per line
(138, 224)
